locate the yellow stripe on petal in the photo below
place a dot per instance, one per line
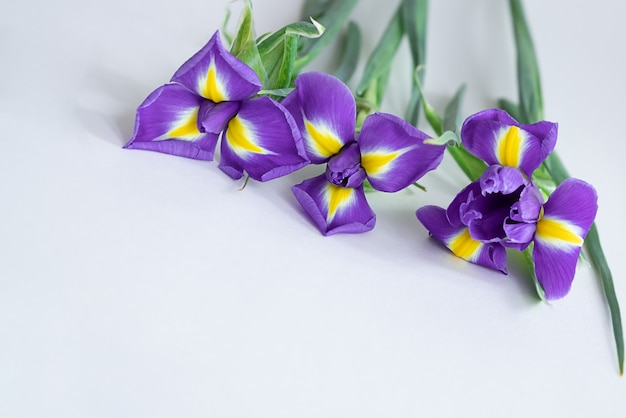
(464, 246)
(186, 128)
(240, 138)
(323, 142)
(375, 163)
(337, 196)
(556, 232)
(510, 146)
(211, 87)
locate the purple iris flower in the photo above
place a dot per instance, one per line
(504, 208)
(212, 94)
(389, 153)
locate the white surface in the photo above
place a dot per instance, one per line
(136, 284)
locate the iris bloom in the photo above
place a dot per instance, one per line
(389, 153)
(504, 209)
(212, 94)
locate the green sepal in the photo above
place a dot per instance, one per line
(278, 62)
(276, 92)
(367, 187)
(244, 44)
(527, 257)
(278, 51)
(446, 138)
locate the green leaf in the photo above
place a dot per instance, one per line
(592, 244)
(529, 83)
(332, 14)
(512, 109)
(315, 8)
(434, 119)
(350, 52)
(379, 61)
(452, 112)
(472, 167)
(224, 29)
(530, 111)
(414, 22)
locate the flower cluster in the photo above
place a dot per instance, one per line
(505, 209)
(389, 153)
(214, 95)
(271, 119)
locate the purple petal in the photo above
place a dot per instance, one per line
(393, 152)
(213, 117)
(344, 169)
(217, 75)
(555, 268)
(457, 212)
(334, 209)
(547, 133)
(568, 215)
(262, 140)
(573, 201)
(519, 235)
(501, 179)
(485, 211)
(325, 112)
(489, 214)
(459, 240)
(167, 122)
(528, 207)
(497, 138)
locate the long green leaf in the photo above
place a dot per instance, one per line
(512, 109)
(414, 22)
(592, 244)
(350, 52)
(529, 83)
(452, 112)
(379, 61)
(594, 248)
(531, 108)
(332, 14)
(472, 166)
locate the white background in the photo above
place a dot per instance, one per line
(137, 284)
